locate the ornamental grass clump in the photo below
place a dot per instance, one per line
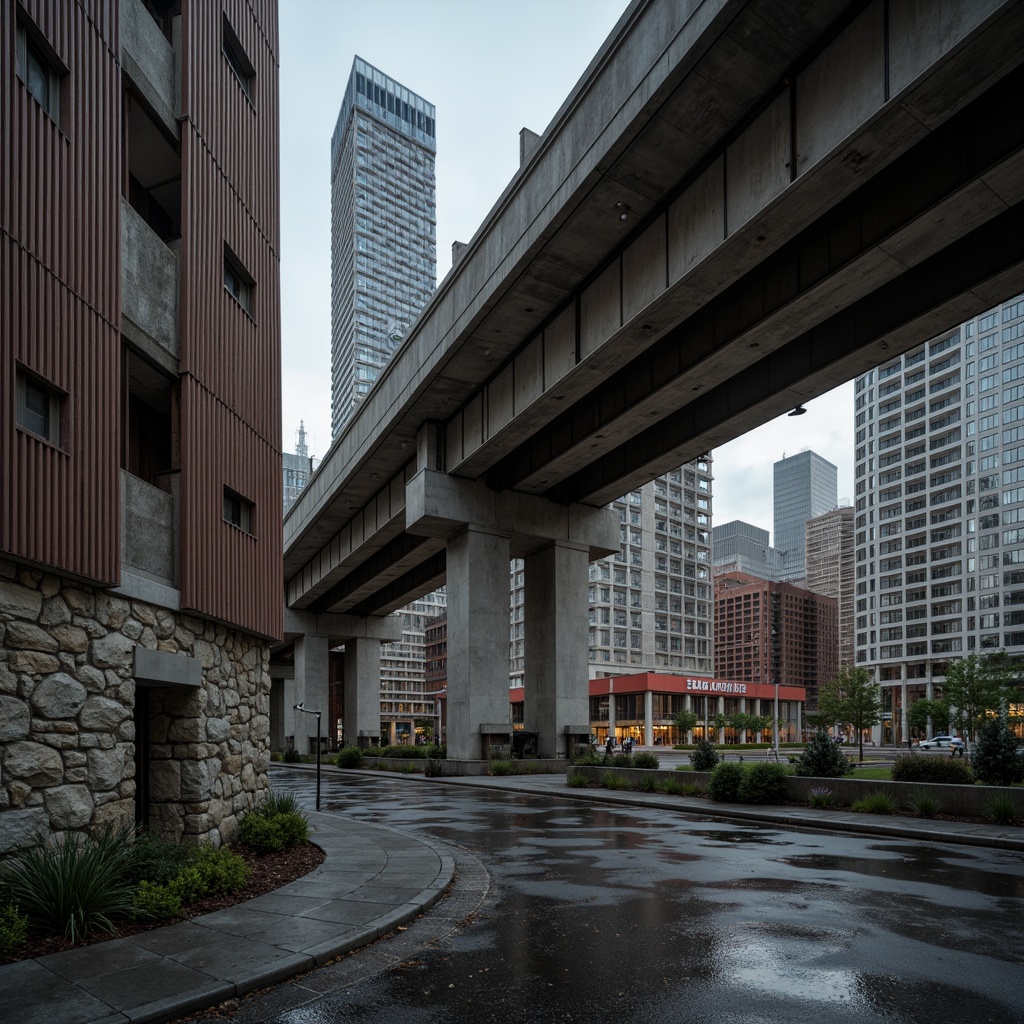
(75, 884)
(875, 803)
(924, 803)
(820, 797)
(1001, 809)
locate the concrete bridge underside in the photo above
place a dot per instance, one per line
(742, 204)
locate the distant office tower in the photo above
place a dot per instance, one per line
(805, 487)
(383, 256)
(940, 507)
(296, 469)
(742, 547)
(651, 605)
(829, 563)
(774, 632)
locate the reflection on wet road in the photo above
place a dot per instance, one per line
(629, 914)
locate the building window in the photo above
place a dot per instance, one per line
(39, 69)
(238, 283)
(37, 408)
(238, 510)
(237, 60)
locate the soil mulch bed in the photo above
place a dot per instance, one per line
(267, 872)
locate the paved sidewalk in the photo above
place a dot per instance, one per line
(374, 879)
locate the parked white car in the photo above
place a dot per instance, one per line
(942, 742)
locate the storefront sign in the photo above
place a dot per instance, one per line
(714, 686)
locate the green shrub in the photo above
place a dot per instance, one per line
(349, 757)
(223, 870)
(294, 827)
(577, 780)
(994, 758)
(13, 929)
(260, 833)
(924, 803)
(76, 884)
(291, 756)
(704, 756)
(823, 759)
(645, 759)
(156, 860)
(188, 885)
(764, 783)
(925, 768)
(621, 761)
(726, 779)
(501, 768)
(156, 902)
(1001, 809)
(875, 803)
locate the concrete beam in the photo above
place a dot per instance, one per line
(339, 628)
(438, 505)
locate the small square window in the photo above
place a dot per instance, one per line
(39, 69)
(238, 283)
(238, 511)
(237, 60)
(37, 408)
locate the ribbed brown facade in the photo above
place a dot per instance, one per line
(60, 312)
(62, 182)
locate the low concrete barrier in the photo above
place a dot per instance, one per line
(964, 801)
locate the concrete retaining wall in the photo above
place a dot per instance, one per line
(967, 801)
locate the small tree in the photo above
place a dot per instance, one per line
(686, 722)
(995, 759)
(921, 712)
(975, 686)
(851, 698)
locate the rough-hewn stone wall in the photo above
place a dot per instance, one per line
(68, 723)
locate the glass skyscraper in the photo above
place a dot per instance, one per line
(940, 508)
(805, 486)
(383, 245)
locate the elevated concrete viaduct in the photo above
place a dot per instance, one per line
(742, 204)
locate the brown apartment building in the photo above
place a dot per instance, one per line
(774, 632)
(140, 480)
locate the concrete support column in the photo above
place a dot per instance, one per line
(361, 693)
(611, 709)
(648, 719)
(799, 720)
(311, 681)
(743, 709)
(478, 639)
(720, 710)
(555, 618)
(903, 711)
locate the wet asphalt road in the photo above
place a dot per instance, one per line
(566, 911)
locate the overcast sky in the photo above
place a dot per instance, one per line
(491, 69)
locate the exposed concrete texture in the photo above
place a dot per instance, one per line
(149, 283)
(477, 638)
(440, 505)
(162, 668)
(311, 668)
(556, 645)
(149, 521)
(361, 693)
(148, 59)
(340, 629)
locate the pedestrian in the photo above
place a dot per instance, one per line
(610, 745)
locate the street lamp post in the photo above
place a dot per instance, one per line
(301, 707)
